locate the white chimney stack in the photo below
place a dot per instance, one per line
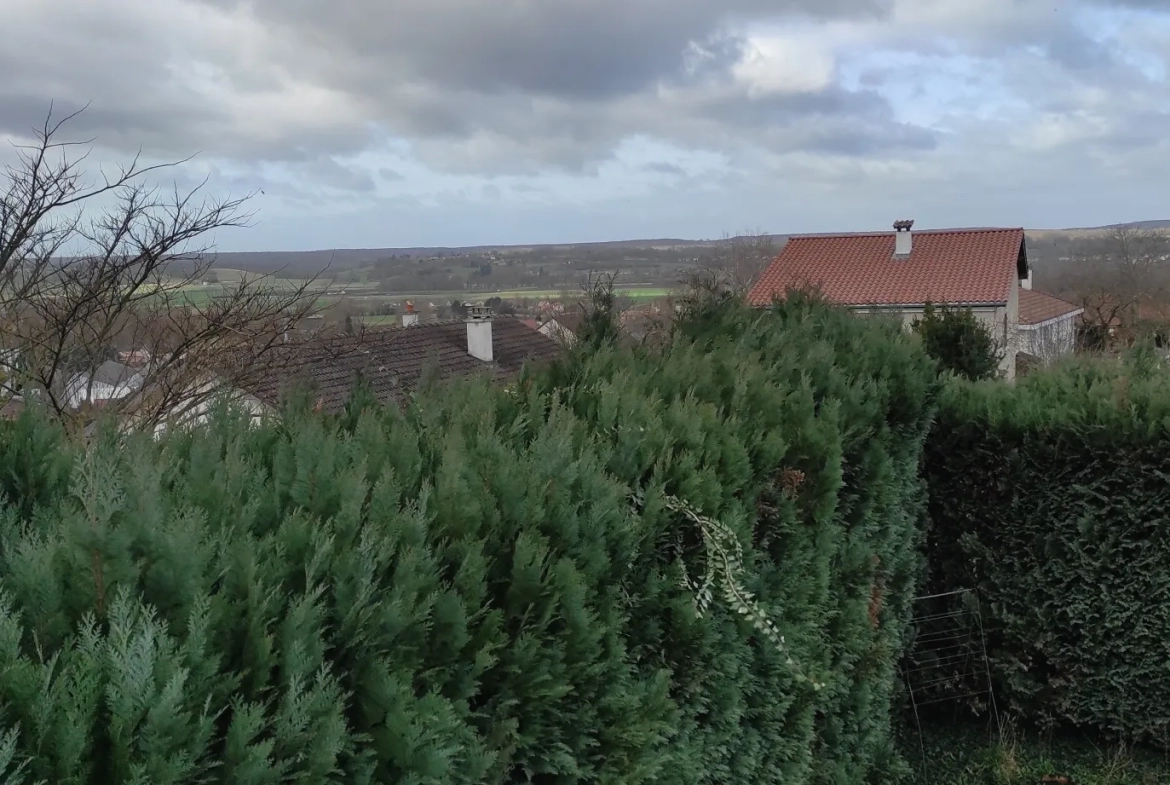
(479, 333)
(1026, 283)
(410, 317)
(903, 241)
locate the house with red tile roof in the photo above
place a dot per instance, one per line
(1047, 325)
(391, 360)
(899, 272)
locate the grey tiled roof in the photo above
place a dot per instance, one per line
(114, 374)
(393, 360)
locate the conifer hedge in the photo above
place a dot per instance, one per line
(535, 584)
(1051, 498)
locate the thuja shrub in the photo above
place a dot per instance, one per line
(800, 427)
(1050, 498)
(685, 566)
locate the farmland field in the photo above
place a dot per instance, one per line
(529, 294)
(199, 295)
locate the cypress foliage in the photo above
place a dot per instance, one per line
(488, 587)
(959, 341)
(1050, 498)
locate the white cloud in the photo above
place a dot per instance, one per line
(578, 103)
(784, 64)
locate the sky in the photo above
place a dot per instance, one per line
(392, 123)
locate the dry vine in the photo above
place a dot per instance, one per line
(724, 565)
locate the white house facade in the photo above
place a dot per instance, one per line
(1047, 326)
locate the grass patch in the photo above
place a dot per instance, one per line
(979, 755)
(621, 291)
(637, 292)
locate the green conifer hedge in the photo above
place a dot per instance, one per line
(539, 584)
(1051, 498)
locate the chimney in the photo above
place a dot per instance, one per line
(479, 333)
(902, 238)
(1026, 283)
(410, 317)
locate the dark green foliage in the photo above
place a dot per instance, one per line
(599, 325)
(979, 754)
(1050, 497)
(465, 593)
(959, 342)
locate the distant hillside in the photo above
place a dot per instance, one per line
(1131, 225)
(298, 264)
(656, 261)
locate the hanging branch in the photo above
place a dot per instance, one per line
(724, 566)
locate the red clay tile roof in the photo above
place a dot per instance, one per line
(954, 266)
(1037, 307)
(393, 360)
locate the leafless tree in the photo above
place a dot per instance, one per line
(91, 266)
(734, 264)
(1115, 275)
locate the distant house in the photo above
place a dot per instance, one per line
(135, 358)
(899, 272)
(110, 381)
(392, 361)
(563, 327)
(1047, 325)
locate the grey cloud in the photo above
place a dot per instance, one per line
(476, 86)
(516, 87)
(664, 167)
(1075, 51)
(572, 49)
(332, 174)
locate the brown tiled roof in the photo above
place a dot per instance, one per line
(1037, 307)
(393, 360)
(955, 266)
(571, 319)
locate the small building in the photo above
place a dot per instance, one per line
(563, 327)
(1048, 325)
(899, 272)
(110, 381)
(135, 358)
(393, 361)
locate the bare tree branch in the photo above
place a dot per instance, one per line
(734, 264)
(1115, 275)
(88, 270)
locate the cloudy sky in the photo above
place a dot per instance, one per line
(372, 123)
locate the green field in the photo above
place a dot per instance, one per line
(200, 294)
(639, 292)
(622, 291)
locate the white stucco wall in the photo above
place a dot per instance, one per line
(80, 390)
(553, 329)
(999, 320)
(197, 408)
(1051, 339)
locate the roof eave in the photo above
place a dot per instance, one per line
(944, 303)
(1051, 320)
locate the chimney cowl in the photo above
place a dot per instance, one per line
(409, 317)
(479, 333)
(903, 239)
